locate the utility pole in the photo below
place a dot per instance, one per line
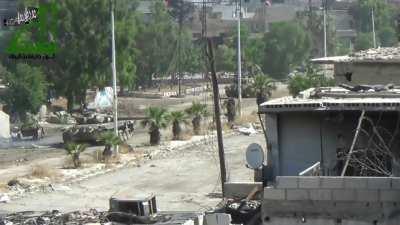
(217, 114)
(239, 56)
(325, 47)
(310, 19)
(114, 71)
(373, 27)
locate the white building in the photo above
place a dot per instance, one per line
(4, 125)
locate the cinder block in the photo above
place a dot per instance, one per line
(274, 194)
(355, 182)
(390, 195)
(299, 194)
(379, 183)
(367, 195)
(343, 195)
(287, 182)
(332, 182)
(309, 182)
(395, 182)
(321, 195)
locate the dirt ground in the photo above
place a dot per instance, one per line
(185, 180)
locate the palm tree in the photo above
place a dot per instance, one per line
(197, 111)
(110, 140)
(177, 118)
(263, 86)
(157, 118)
(75, 151)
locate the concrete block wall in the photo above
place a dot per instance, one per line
(358, 189)
(332, 200)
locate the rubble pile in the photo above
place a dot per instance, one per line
(17, 188)
(55, 217)
(390, 53)
(242, 211)
(92, 217)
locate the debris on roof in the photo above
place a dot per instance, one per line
(374, 55)
(346, 97)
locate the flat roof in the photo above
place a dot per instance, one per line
(374, 55)
(346, 101)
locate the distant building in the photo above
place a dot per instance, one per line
(373, 66)
(4, 124)
(8, 9)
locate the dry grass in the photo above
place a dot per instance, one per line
(226, 127)
(248, 118)
(67, 164)
(115, 159)
(186, 135)
(91, 158)
(43, 171)
(125, 148)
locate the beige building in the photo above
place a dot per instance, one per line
(372, 67)
(4, 125)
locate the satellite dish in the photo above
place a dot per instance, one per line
(255, 156)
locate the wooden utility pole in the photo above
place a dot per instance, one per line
(210, 55)
(353, 144)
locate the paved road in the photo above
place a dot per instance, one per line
(184, 180)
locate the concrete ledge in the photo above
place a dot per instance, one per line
(309, 182)
(379, 183)
(390, 196)
(299, 194)
(343, 195)
(320, 195)
(332, 182)
(355, 182)
(367, 195)
(274, 194)
(240, 189)
(287, 182)
(327, 209)
(395, 182)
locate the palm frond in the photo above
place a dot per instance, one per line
(197, 109)
(74, 148)
(157, 117)
(110, 138)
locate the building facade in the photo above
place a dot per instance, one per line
(379, 66)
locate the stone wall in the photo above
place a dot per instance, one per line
(332, 200)
(368, 73)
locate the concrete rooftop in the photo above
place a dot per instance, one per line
(376, 55)
(335, 99)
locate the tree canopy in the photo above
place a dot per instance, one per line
(287, 45)
(385, 21)
(27, 89)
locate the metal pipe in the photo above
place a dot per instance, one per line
(239, 57)
(325, 45)
(373, 27)
(114, 73)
